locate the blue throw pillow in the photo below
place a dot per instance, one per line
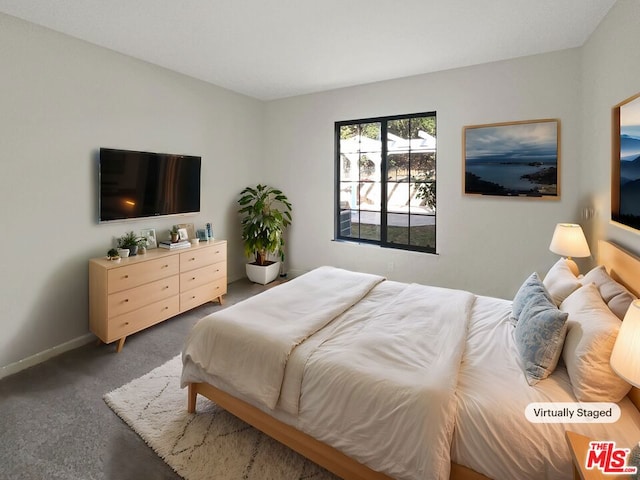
(539, 337)
(531, 290)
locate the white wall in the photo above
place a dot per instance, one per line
(60, 100)
(611, 74)
(487, 245)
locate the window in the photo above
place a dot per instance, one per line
(386, 181)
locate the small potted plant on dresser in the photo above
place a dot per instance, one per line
(174, 234)
(265, 214)
(113, 255)
(130, 241)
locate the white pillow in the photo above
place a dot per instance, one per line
(592, 331)
(616, 296)
(560, 281)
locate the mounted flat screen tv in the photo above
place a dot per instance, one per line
(144, 184)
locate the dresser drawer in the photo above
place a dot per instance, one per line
(199, 257)
(129, 276)
(128, 300)
(203, 294)
(202, 276)
(144, 317)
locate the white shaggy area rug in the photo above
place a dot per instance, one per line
(210, 444)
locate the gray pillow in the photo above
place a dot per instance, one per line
(531, 290)
(539, 337)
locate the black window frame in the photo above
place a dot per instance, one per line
(383, 241)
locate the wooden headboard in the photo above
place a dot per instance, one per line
(623, 267)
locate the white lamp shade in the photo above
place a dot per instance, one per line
(625, 357)
(569, 241)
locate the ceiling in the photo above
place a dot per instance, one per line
(271, 49)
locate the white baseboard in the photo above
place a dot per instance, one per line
(45, 355)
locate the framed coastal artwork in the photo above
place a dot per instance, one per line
(513, 159)
(625, 163)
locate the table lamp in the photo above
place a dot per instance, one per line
(569, 241)
(625, 361)
(625, 356)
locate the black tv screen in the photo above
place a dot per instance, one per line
(144, 184)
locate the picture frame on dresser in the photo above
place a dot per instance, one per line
(149, 234)
(182, 234)
(625, 162)
(190, 228)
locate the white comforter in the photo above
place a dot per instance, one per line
(395, 414)
(248, 344)
(392, 376)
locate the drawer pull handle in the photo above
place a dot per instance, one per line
(193, 298)
(193, 278)
(166, 286)
(166, 308)
(192, 259)
(126, 324)
(126, 276)
(126, 300)
(165, 266)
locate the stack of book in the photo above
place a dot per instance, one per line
(175, 245)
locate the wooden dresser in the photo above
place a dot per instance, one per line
(138, 292)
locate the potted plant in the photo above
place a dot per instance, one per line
(129, 241)
(265, 213)
(174, 234)
(142, 246)
(113, 255)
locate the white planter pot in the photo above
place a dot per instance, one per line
(263, 275)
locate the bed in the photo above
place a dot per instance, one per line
(375, 379)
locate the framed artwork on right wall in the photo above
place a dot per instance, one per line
(625, 163)
(512, 159)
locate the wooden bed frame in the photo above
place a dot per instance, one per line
(621, 265)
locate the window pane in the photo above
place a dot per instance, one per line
(370, 137)
(423, 231)
(348, 195)
(347, 227)
(369, 167)
(398, 228)
(369, 198)
(423, 166)
(423, 198)
(369, 225)
(397, 197)
(349, 139)
(398, 167)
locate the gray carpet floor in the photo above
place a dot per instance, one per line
(54, 423)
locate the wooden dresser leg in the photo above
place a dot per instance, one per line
(191, 403)
(120, 344)
(220, 299)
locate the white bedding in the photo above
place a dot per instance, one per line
(492, 435)
(249, 343)
(459, 366)
(395, 414)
